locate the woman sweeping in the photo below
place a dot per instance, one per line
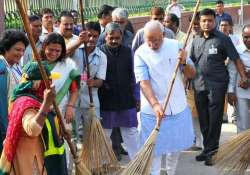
(54, 51)
(33, 142)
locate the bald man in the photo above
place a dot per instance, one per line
(119, 16)
(154, 65)
(238, 96)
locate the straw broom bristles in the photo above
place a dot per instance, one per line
(80, 167)
(143, 159)
(233, 157)
(97, 151)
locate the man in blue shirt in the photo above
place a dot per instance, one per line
(220, 14)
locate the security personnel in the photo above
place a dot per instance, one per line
(209, 52)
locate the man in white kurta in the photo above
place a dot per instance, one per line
(154, 65)
(238, 96)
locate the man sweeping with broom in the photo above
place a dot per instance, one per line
(154, 64)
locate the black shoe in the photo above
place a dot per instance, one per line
(123, 151)
(224, 121)
(118, 156)
(209, 160)
(195, 148)
(201, 157)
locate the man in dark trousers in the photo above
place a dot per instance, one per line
(209, 51)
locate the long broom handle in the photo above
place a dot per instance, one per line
(86, 54)
(44, 74)
(158, 124)
(82, 16)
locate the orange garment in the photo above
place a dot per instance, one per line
(28, 159)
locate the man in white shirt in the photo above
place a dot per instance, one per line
(238, 96)
(225, 27)
(74, 44)
(175, 8)
(172, 22)
(36, 29)
(47, 16)
(154, 64)
(97, 66)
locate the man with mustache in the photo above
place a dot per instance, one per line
(119, 16)
(74, 43)
(118, 94)
(66, 26)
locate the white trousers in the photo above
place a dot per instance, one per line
(197, 132)
(171, 164)
(130, 139)
(243, 120)
(69, 158)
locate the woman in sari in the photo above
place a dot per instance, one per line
(33, 143)
(54, 51)
(12, 46)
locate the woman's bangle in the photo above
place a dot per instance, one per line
(72, 106)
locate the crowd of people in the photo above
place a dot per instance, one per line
(129, 77)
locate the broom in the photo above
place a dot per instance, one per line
(142, 162)
(233, 156)
(97, 151)
(80, 167)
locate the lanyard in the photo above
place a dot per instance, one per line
(17, 70)
(11, 69)
(86, 59)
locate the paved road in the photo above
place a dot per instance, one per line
(187, 164)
